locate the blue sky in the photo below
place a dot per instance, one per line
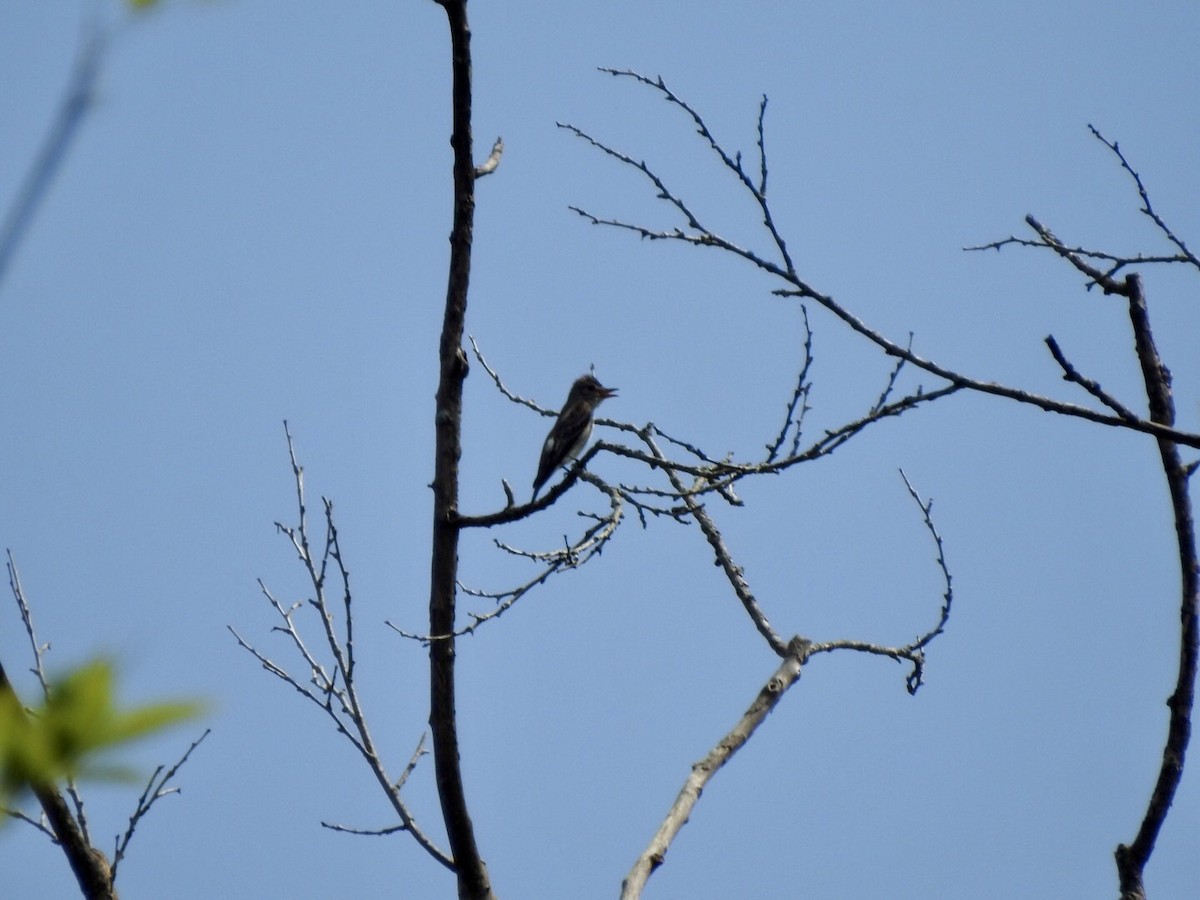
(252, 225)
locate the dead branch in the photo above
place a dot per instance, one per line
(158, 786)
(695, 233)
(331, 683)
(1132, 858)
(703, 771)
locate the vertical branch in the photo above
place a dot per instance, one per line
(473, 881)
(1132, 858)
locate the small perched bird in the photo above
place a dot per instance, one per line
(571, 431)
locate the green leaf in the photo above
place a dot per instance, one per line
(78, 722)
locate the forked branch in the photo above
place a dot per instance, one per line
(779, 264)
(1132, 858)
(329, 680)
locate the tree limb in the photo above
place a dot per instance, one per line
(702, 772)
(473, 880)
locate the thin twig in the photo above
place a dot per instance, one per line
(948, 594)
(1147, 207)
(37, 648)
(572, 555)
(158, 786)
(914, 652)
(1070, 373)
(797, 406)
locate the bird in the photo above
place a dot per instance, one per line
(573, 427)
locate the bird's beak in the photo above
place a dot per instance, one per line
(608, 392)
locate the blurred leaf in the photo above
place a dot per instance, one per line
(78, 722)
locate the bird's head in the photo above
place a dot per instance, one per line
(586, 387)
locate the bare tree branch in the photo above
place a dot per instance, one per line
(793, 419)
(1132, 858)
(795, 653)
(470, 869)
(732, 163)
(36, 647)
(697, 234)
(1070, 373)
(710, 476)
(40, 823)
(332, 685)
(733, 572)
(572, 555)
(1147, 207)
(703, 771)
(157, 787)
(926, 508)
(397, 787)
